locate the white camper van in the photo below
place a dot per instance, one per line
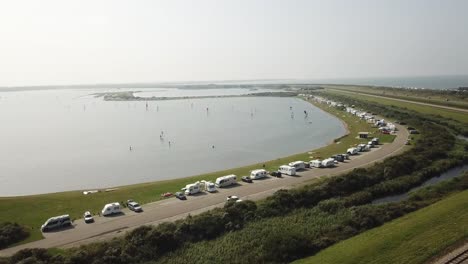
(192, 188)
(210, 187)
(299, 165)
(288, 170)
(352, 151)
(112, 208)
(226, 180)
(327, 163)
(316, 163)
(56, 222)
(258, 174)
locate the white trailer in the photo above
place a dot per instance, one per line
(299, 165)
(192, 188)
(316, 163)
(111, 208)
(258, 174)
(352, 151)
(226, 180)
(327, 163)
(288, 170)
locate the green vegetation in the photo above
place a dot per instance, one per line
(32, 211)
(451, 98)
(11, 233)
(446, 113)
(410, 239)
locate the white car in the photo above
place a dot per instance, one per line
(88, 217)
(210, 187)
(233, 198)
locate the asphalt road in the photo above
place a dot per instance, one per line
(172, 208)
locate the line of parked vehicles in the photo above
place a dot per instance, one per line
(221, 182)
(62, 221)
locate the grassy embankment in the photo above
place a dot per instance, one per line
(436, 97)
(414, 238)
(447, 113)
(33, 210)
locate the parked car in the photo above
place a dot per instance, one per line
(210, 187)
(246, 179)
(232, 198)
(275, 174)
(167, 194)
(56, 222)
(88, 217)
(134, 206)
(180, 196)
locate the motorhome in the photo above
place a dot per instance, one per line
(111, 208)
(192, 188)
(226, 180)
(258, 174)
(352, 151)
(327, 163)
(288, 170)
(315, 163)
(56, 222)
(299, 165)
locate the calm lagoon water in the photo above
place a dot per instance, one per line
(58, 140)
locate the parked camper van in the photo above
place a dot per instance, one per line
(226, 181)
(258, 174)
(375, 141)
(56, 222)
(352, 151)
(288, 170)
(112, 208)
(191, 188)
(299, 165)
(315, 163)
(210, 187)
(327, 163)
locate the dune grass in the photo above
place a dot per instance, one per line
(33, 210)
(413, 238)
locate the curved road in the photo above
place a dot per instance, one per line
(172, 209)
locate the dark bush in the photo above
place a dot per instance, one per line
(11, 233)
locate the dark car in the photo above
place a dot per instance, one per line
(246, 179)
(338, 157)
(180, 196)
(275, 174)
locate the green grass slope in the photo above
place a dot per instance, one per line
(413, 238)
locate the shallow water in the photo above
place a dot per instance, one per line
(58, 140)
(452, 173)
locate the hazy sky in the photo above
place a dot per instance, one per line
(70, 42)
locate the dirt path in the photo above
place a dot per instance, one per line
(172, 209)
(406, 101)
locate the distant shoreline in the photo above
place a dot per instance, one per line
(130, 96)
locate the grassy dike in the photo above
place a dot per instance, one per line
(425, 109)
(413, 238)
(33, 210)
